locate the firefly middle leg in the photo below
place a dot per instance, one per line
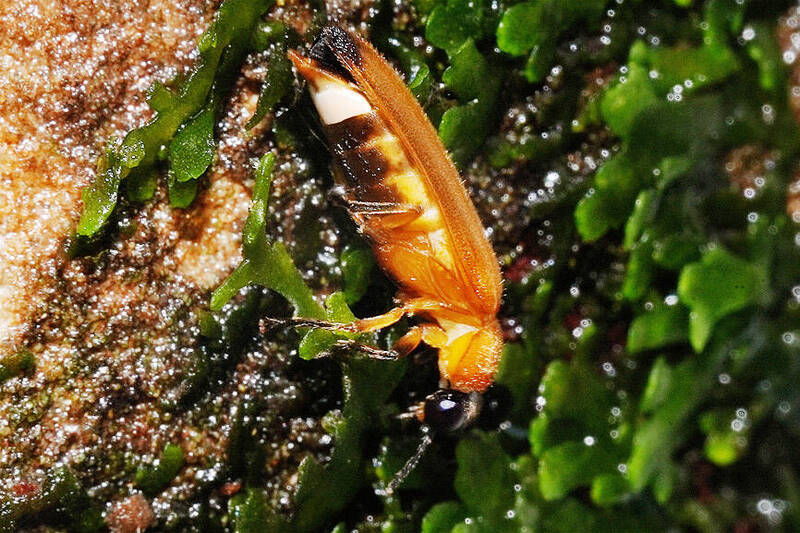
(379, 215)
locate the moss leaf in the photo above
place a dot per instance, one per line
(357, 265)
(192, 149)
(717, 285)
(483, 479)
(463, 128)
(663, 326)
(442, 517)
(570, 465)
(450, 24)
(153, 479)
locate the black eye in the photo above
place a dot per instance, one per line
(448, 411)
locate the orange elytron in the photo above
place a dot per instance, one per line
(407, 198)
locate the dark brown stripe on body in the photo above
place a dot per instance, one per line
(353, 132)
(365, 169)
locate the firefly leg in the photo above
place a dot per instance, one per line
(299, 322)
(432, 334)
(340, 197)
(361, 325)
(371, 351)
(382, 208)
(409, 307)
(375, 224)
(406, 344)
(387, 215)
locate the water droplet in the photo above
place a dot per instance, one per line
(552, 179)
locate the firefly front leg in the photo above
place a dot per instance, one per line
(431, 334)
(402, 347)
(409, 307)
(365, 325)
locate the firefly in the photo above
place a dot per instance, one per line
(406, 197)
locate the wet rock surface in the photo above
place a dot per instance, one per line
(115, 337)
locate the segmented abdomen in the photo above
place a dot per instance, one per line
(413, 247)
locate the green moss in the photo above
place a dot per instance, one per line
(661, 327)
(357, 265)
(184, 120)
(153, 479)
(278, 81)
(535, 26)
(476, 84)
(322, 489)
(250, 513)
(15, 364)
(266, 263)
(452, 23)
(58, 498)
(715, 287)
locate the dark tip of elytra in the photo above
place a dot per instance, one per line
(343, 42)
(323, 54)
(333, 47)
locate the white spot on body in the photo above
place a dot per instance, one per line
(336, 101)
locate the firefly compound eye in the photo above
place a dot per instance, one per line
(449, 411)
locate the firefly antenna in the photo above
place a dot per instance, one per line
(411, 464)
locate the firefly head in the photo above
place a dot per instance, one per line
(449, 411)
